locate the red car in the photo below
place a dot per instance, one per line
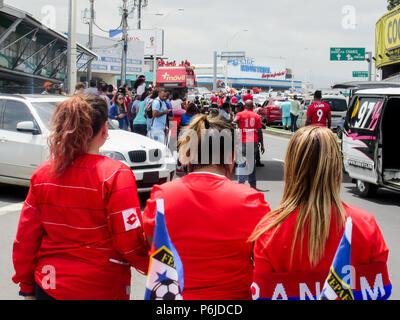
(271, 112)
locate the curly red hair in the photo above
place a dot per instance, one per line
(73, 125)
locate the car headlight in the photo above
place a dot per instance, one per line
(113, 155)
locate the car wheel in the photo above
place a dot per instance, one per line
(366, 189)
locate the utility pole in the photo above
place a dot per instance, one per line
(215, 71)
(139, 22)
(125, 41)
(369, 53)
(71, 48)
(90, 45)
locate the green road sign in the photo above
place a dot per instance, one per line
(360, 74)
(347, 54)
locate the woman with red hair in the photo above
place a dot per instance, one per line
(80, 228)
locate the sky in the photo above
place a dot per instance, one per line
(297, 33)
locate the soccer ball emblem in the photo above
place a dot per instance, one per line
(166, 290)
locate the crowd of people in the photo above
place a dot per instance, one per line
(82, 215)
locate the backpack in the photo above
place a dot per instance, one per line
(148, 111)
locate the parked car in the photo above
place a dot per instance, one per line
(370, 140)
(24, 130)
(338, 106)
(270, 111)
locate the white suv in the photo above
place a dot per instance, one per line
(23, 144)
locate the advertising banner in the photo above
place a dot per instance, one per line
(153, 39)
(387, 39)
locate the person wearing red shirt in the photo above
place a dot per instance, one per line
(252, 139)
(214, 101)
(209, 233)
(80, 228)
(248, 96)
(319, 113)
(296, 243)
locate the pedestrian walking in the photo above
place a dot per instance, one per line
(140, 121)
(319, 113)
(285, 107)
(48, 86)
(159, 120)
(80, 88)
(118, 112)
(92, 88)
(296, 243)
(294, 112)
(251, 136)
(140, 86)
(103, 95)
(208, 232)
(80, 228)
(226, 112)
(247, 96)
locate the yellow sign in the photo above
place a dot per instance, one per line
(387, 39)
(392, 31)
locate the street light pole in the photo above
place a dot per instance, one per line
(125, 41)
(71, 48)
(89, 67)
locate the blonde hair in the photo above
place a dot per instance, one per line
(313, 176)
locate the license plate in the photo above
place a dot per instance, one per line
(151, 177)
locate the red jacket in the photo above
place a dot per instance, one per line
(79, 234)
(209, 220)
(272, 254)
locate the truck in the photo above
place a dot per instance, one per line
(179, 79)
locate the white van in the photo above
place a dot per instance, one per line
(370, 140)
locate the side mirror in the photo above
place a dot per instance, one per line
(27, 126)
(114, 124)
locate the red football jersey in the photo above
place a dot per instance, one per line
(249, 122)
(82, 230)
(210, 233)
(319, 112)
(272, 251)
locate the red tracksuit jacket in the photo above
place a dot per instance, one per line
(79, 234)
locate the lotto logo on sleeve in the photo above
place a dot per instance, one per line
(131, 220)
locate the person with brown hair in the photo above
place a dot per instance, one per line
(295, 244)
(209, 233)
(80, 88)
(80, 228)
(118, 112)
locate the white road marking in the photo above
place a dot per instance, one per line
(279, 160)
(11, 208)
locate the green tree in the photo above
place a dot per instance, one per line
(392, 4)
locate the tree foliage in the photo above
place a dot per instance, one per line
(392, 4)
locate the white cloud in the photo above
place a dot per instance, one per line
(302, 31)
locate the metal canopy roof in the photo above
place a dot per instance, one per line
(29, 20)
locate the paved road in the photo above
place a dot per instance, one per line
(385, 207)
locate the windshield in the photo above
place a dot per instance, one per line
(45, 110)
(336, 104)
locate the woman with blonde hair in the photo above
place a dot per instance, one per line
(80, 228)
(208, 216)
(296, 243)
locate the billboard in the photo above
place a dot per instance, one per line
(110, 56)
(152, 38)
(387, 39)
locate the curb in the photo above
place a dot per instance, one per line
(278, 133)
